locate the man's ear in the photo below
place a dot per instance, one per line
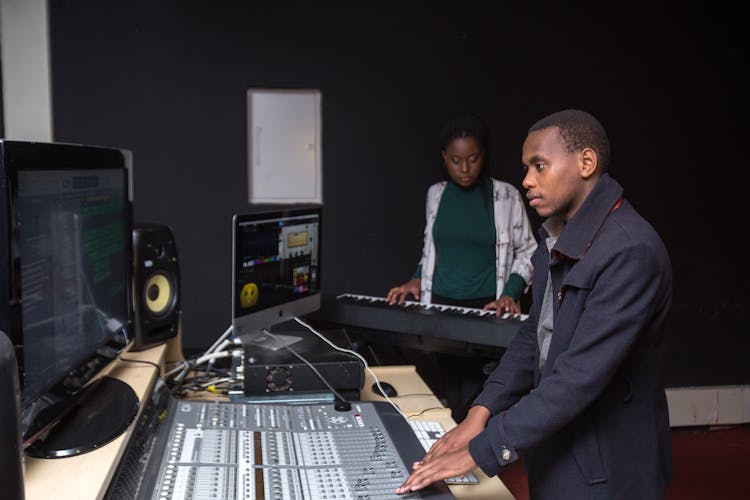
(589, 163)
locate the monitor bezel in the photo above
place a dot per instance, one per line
(247, 325)
(18, 156)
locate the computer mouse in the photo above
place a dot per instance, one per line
(388, 389)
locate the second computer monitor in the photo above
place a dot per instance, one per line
(275, 271)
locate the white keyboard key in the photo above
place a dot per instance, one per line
(429, 431)
(432, 307)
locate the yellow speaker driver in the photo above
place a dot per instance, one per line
(158, 293)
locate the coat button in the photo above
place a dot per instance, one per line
(559, 296)
(506, 455)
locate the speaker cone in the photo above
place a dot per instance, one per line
(158, 294)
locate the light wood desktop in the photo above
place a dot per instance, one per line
(417, 402)
(87, 476)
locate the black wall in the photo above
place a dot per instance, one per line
(168, 80)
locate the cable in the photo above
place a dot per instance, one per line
(191, 365)
(312, 367)
(425, 411)
(176, 369)
(224, 344)
(221, 339)
(126, 336)
(217, 381)
(358, 356)
(158, 368)
(215, 355)
(186, 366)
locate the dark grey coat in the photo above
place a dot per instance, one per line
(594, 424)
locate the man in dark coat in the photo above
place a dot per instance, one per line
(579, 393)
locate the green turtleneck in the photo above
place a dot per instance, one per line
(464, 234)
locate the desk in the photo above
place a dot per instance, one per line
(87, 476)
(416, 401)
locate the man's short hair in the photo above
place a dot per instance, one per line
(578, 130)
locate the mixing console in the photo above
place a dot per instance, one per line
(222, 450)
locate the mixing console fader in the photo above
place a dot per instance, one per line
(221, 450)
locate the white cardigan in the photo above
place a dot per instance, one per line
(514, 245)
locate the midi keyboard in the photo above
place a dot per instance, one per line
(427, 323)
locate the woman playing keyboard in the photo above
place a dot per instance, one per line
(477, 241)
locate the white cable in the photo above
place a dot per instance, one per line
(215, 355)
(220, 348)
(320, 375)
(125, 334)
(175, 369)
(191, 365)
(185, 370)
(216, 381)
(358, 356)
(186, 365)
(221, 339)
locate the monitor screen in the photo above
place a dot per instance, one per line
(69, 259)
(275, 272)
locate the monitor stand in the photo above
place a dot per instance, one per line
(92, 418)
(272, 342)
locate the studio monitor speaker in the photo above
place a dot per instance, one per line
(11, 472)
(156, 285)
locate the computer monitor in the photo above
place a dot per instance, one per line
(65, 272)
(275, 271)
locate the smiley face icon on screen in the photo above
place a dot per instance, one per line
(249, 295)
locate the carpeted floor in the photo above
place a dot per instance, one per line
(709, 464)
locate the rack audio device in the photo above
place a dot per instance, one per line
(269, 372)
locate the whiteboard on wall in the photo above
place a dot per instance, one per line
(284, 138)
